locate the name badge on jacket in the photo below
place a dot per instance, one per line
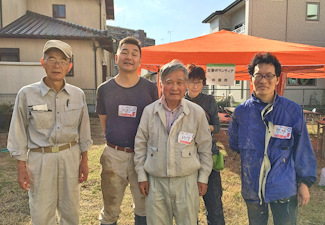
(282, 132)
(185, 138)
(127, 111)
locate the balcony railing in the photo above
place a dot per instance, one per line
(240, 30)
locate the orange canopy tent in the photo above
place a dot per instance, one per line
(298, 60)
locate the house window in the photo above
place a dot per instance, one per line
(9, 54)
(312, 11)
(301, 82)
(59, 11)
(71, 72)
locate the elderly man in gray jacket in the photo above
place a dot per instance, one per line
(173, 152)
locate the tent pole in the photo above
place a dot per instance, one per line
(158, 82)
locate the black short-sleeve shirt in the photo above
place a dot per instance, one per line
(123, 108)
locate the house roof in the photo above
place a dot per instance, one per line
(38, 26)
(220, 12)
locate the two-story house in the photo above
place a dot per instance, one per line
(25, 25)
(300, 21)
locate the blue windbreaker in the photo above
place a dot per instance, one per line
(292, 160)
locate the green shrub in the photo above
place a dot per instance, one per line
(5, 116)
(6, 108)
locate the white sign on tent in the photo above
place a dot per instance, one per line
(220, 74)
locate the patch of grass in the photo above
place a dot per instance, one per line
(313, 213)
(13, 201)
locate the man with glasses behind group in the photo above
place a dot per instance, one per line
(277, 159)
(49, 136)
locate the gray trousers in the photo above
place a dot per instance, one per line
(170, 198)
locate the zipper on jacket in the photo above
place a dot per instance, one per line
(266, 165)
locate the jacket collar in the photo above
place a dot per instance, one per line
(257, 100)
(45, 89)
(195, 99)
(184, 103)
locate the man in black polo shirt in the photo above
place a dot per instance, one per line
(120, 102)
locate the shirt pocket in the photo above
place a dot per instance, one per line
(187, 152)
(154, 160)
(286, 144)
(152, 151)
(72, 114)
(42, 119)
(282, 149)
(189, 159)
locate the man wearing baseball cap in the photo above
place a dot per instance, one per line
(49, 136)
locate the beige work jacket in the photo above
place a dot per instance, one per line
(164, 155)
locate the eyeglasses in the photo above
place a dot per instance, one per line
(197, 83)
(53, 62)
(259, 77)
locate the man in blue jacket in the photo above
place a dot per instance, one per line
(277, 159)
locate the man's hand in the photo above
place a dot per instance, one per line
(303, 194)
(83, 168)
(202, 188)
(211, 128)
(144, 187)
(22, 178)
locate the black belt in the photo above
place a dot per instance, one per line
(124, 149)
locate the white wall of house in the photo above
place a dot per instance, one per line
(84, 64)
(17, 8)
(220, 22)
(214, 25)
(83, 53)
(15, 75)
(95, 9)
(30, 50)
(238, 17)
(82, 12)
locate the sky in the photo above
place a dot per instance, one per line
(166, 20)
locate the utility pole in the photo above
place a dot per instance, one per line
(170, 35)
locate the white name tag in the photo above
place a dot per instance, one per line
(127, 111)
(40, 107)
(282, 132)
(185, 138)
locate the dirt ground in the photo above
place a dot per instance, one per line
(234, 206)
(3, 140)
